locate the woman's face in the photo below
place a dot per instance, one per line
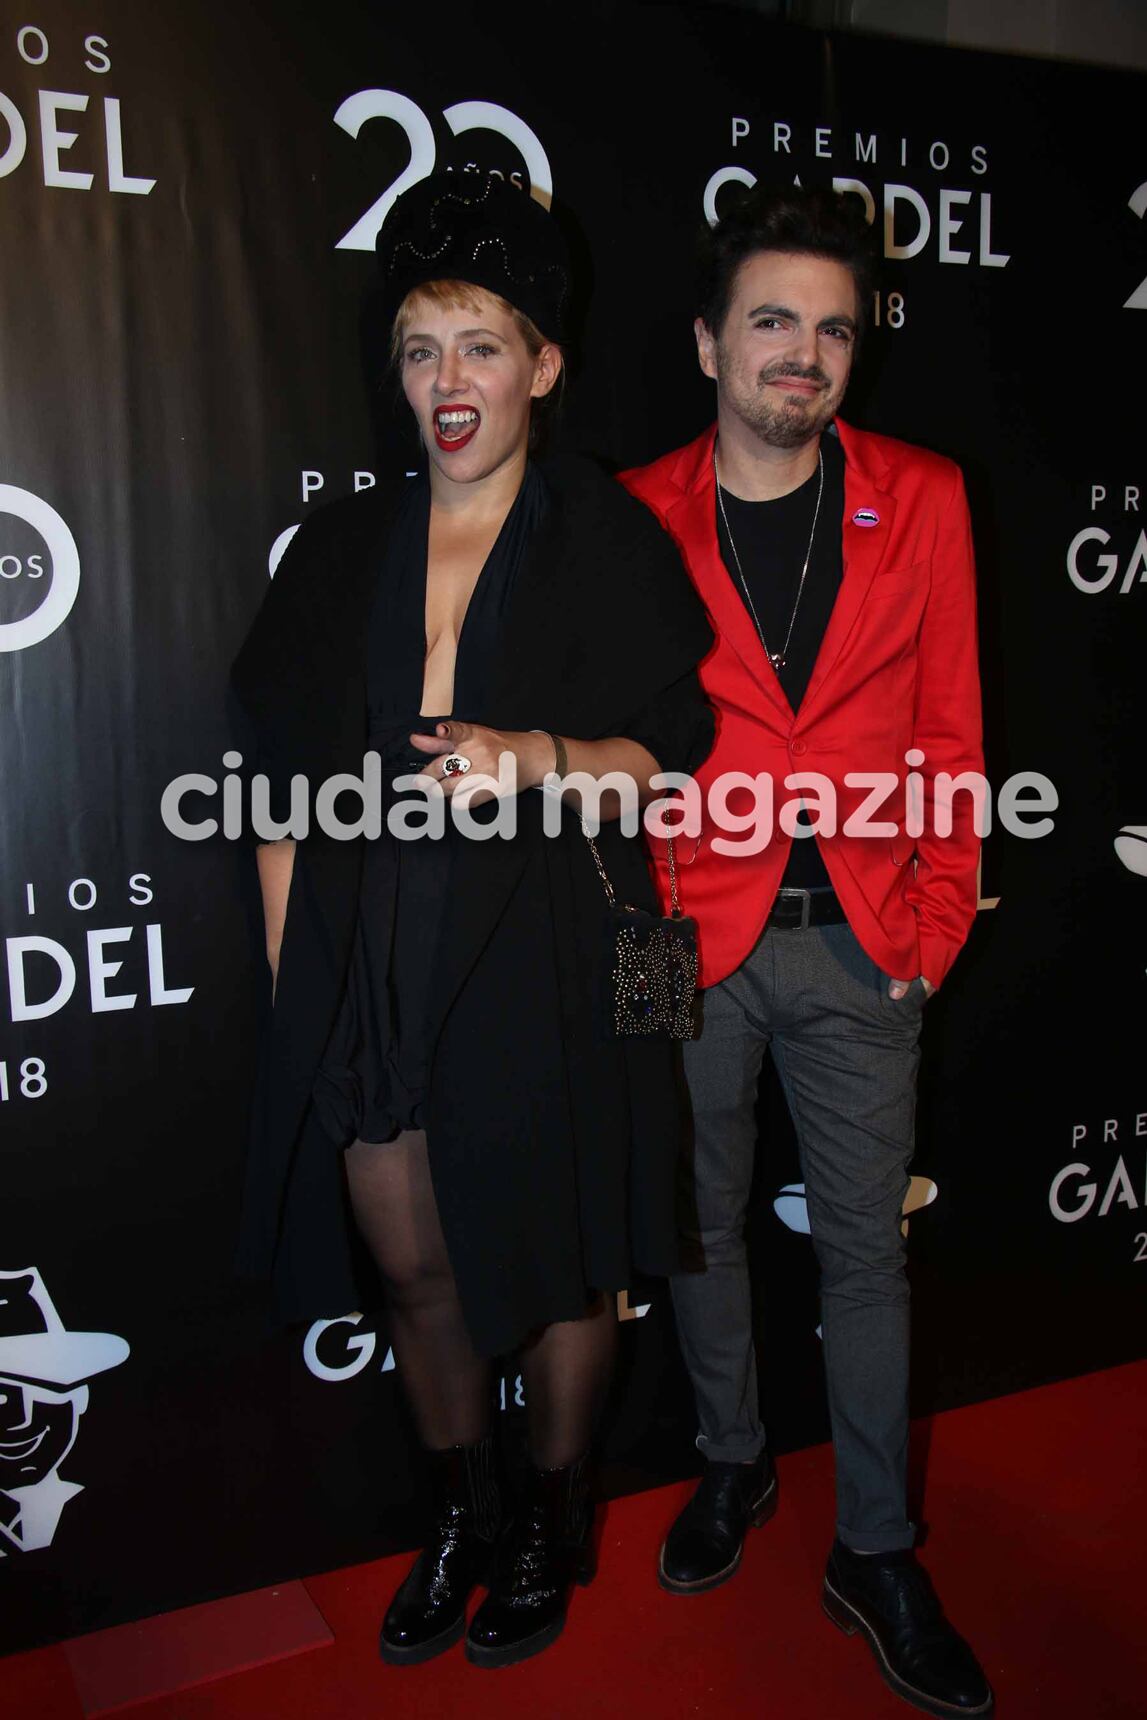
(470, 378)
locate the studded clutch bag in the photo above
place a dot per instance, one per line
(650, 968)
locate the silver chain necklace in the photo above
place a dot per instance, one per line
(776, 658)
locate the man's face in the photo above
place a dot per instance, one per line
(37, 1427)
(782, 360)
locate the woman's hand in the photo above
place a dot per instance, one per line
(534, 754)
(535, 760)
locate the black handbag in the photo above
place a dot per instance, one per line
(650, 969)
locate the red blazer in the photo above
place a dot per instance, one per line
(897, 669)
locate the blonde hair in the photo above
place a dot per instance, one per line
(451, 295)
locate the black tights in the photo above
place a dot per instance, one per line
(566, 1366)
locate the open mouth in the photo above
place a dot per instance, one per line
(15, 1451)
(454, 426)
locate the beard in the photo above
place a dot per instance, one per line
(780, 423)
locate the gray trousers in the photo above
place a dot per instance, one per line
(847, 1058)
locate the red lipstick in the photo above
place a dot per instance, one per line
(455, 426)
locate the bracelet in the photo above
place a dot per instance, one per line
(561, 760)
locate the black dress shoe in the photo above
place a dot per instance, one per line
(888, 1597)
(703, 1548)
(428, 1614)
(547, 1548)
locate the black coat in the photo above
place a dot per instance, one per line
(552, 1147)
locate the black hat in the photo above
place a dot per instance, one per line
(467, 225)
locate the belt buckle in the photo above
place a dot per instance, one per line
(806, 904)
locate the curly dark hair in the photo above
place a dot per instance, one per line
(808, 221)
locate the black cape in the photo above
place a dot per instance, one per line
(552, 1147)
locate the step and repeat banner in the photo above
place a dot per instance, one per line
(190, 363)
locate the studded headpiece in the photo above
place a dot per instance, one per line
(467, 225)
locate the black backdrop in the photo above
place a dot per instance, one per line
(185, 357)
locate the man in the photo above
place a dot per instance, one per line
(837, 570)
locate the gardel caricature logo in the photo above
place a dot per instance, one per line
(43, 1393)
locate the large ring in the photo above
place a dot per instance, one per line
(455, 765)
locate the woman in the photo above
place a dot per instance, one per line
(437, 1007)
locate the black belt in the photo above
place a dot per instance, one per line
(794, 910)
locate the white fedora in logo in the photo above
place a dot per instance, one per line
(34, 1344)
(1131, 847)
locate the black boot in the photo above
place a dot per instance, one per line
(546, 1549)
(428, 1613)
(888, 1597)
(703, 1548)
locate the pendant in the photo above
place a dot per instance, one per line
(777, 659)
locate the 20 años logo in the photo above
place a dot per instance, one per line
(462, 117)
(56, 585)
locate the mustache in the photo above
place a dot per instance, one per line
(784, 367)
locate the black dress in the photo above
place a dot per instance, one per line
(372, 1081)
(553, 1148)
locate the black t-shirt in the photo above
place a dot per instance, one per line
(772, 539)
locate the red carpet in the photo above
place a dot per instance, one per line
(1037, 1511)
(132, 1663)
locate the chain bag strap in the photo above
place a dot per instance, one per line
(651, 962)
